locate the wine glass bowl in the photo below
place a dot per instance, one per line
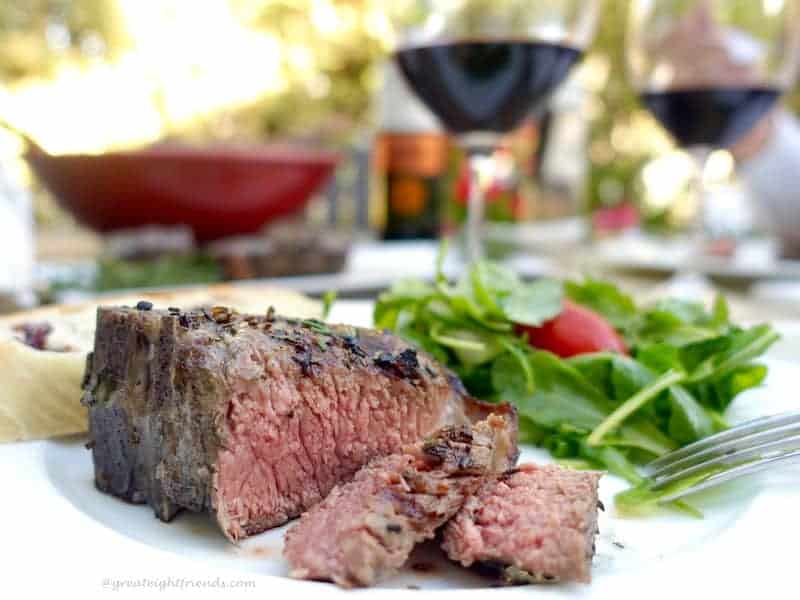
(710, 70)
(483, 66)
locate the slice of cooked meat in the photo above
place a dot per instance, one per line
(252, 418)
(366, 529)
(531, 524)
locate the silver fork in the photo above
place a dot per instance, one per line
(753, 447)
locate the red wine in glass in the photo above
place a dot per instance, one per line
(714, 117)
(485, 85)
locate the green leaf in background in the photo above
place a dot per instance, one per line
(534, 303)
(471, 347)
(719, 393)
(679, 312)
(659, 357)
(478, 380)
(530, 432)
(633, 404)
(618, 375)
(720, 312)
(628, 377)
(596, 368)
(605, 298)
(328, 298)
(506, 374)
(613, 460)
(113, 274)
(693, 354)
(643, 499)
(491, 284)
(561, 446)
(461, 302)
(688, 420)
(406, 293)
(562, 397)
(743, 378)
(744, 346)
(408, 290)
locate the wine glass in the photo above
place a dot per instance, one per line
(482, 66)
(710, 71)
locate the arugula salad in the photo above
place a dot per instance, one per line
(598, 381)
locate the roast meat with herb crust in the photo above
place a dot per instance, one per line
(253, 418)
(367, 528)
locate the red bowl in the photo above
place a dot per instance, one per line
(217, 191)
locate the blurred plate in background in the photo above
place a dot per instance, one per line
(752, 260)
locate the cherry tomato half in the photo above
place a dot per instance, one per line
(577, 330)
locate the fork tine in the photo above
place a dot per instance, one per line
(726, 448)
(733, 433)
(735, 473)
(740, 455)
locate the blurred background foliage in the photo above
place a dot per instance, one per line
(311, 71)
(37, 35)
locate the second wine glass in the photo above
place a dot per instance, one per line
(710, 71)
(483, 66)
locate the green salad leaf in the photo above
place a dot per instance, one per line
(534, 303)
(602, 410)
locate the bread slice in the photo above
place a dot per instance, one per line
(40, 390)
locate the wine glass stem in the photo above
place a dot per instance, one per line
(698, 190)
(480, 174)
(689, 282)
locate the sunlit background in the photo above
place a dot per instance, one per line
(94, 75)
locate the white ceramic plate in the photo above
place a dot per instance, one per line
(58, 535)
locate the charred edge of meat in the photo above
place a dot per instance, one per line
(477, 410)
(451, 445)
(509, 474)
(34, 334)
(458, 386)
(404, 365)
(350, 343)
(507, 574)
(87, 372)
(221, 314)
(305, 358)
